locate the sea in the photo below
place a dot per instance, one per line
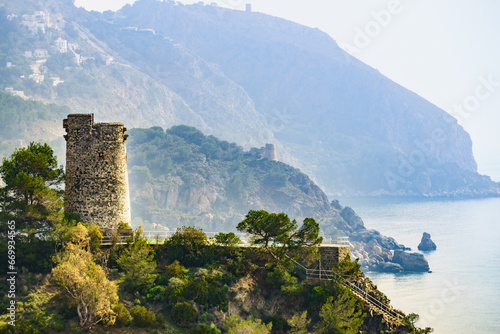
(462, 293)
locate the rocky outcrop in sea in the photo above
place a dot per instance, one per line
(426, 244)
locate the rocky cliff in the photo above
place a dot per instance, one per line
(354, 130)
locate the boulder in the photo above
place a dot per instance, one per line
(427, 244)
(390, 267)
(411, 261)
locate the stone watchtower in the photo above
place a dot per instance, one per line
(96, 171)
(270, 152)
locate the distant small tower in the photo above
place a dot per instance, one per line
(249, 7)
(270, 152)
(96, 171)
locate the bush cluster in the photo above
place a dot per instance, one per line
(184, 313)
(142, 317)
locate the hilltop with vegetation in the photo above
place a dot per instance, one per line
(182, 177)
(66, 282)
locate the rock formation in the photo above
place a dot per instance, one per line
(410, 261)
(427, 244)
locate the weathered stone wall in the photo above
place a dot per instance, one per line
(270, 152)
(331, 255)
(96, 171)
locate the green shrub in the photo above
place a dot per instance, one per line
(124, 225)
(235, 325)
(343, 314)
(157, 293)
(57, 324)
(227, 239)
(160, 319)
(184, 313)
(204, 329)
(175, 269)
(349, 269)
(206, 318)
(281, 279)
(299, 324)
(137, 262)
(190, 245)
(33, 323)
(123, 317)
(175, 295)
(197, 288)
(142, 316)
(95, 238)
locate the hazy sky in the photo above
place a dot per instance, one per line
(447, 51)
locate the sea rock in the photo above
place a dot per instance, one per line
(390, 267)
(411, 261)
(364, 235)
(427, 244)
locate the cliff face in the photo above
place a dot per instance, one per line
(354, 130)
(274, 303)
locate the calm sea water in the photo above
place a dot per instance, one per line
(462, 294)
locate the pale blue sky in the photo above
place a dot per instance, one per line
(444, 50)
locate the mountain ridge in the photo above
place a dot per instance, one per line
(354, 131)
(214, 41)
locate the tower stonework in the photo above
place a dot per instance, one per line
(96, 171)
(270, 152)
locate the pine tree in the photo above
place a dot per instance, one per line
(340, 315)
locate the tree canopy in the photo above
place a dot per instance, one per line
(32, 192)
(279, 235)
(85, 282)
(340, 315)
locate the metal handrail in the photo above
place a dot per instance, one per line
(163, 235)
(322, 274)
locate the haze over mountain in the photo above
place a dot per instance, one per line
(252, 78)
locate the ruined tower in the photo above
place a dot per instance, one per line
(96, 171)
(270, 152)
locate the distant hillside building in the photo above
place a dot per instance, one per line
(249, 7)
(37, 21)
(61, 45)
(270, 152)
(73, 46)
(19, 93)
(96, 171)
(41, 53)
